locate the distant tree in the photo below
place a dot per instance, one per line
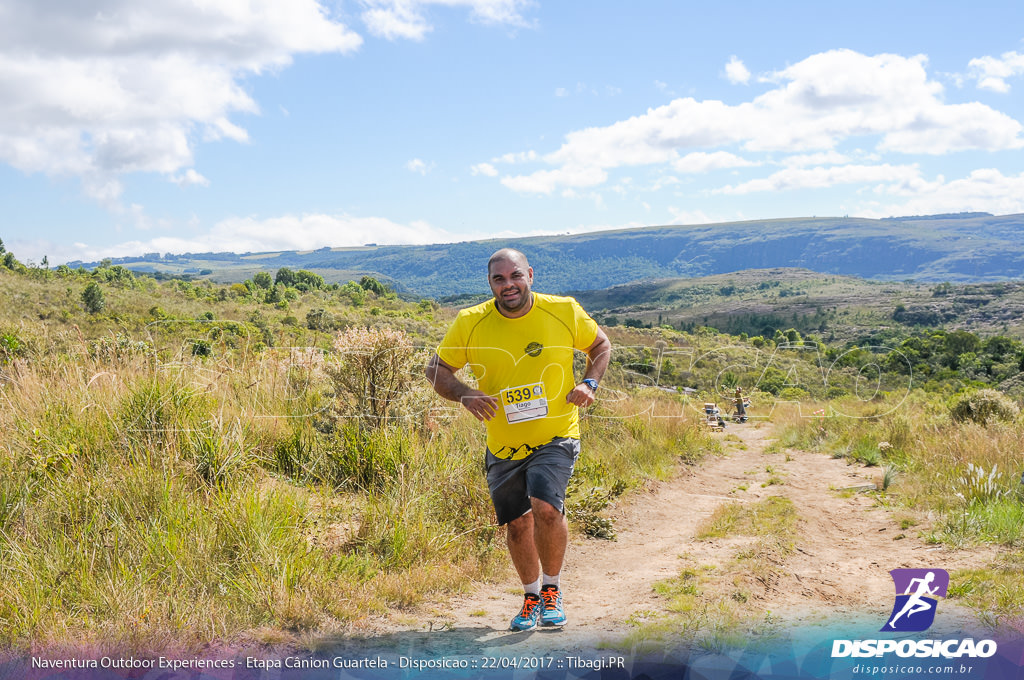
(285, 277)
(2, 249)
(772, 380)
(373, 285)
(999, 345)
(92, 298)
(960, 342)
(354, 292)
(263, 280)
(311, 279)
(319, 320)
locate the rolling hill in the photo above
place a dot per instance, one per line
(837, 308)
(966, 247)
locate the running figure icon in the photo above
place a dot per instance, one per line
(917, 602)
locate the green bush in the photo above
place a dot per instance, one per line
(92, 298)
(364, 459)
(983, 406)
(11, 347)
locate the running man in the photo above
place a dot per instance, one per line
(916, 603)
(521, 345)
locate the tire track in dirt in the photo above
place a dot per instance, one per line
(846, 546)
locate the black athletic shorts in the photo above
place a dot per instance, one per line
(543, 474)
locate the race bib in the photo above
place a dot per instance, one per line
(526, 402)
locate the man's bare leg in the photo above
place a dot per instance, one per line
(538, 536)
(523, 549)
(551, 536)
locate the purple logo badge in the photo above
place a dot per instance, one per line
(917, 597)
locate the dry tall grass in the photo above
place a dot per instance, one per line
(961, 479)
(154, 500)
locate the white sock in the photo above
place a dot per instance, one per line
(532, 588)
(551, 580)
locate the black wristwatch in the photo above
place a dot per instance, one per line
(591, 383)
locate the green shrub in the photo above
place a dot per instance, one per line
(92, 298)
(11, 347)
(319, 319)
(364, 459)
(983, 406)
(201, 348)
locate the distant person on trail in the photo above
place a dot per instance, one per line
(521, 345)
(741, 410)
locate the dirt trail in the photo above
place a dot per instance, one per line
(845, 549)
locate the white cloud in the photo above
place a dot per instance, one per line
(406, 19)
(250, 234)
(823, 158)
(419, 166)
(103, 190)
(818, 103)
(821, 177)
(959, 127)
(992, 72)
(578, 229)
(665, 181)
(683, 216)
(190, 177)
(545, 181)
(396, 21)
(736, 72)
(593, 196)
(521, 157)
(485, 169)
(984, 190)
(140, 220)
(700, 162)
(98, 88)
(583, 88)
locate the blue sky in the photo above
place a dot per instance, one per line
(245, 125)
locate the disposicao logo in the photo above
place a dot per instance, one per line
(917, 597)
(917, 593)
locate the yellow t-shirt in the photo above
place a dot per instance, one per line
(526, 363)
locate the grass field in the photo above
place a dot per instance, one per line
(193, 463)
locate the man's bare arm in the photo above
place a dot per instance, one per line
(442, 377)
(598, 355)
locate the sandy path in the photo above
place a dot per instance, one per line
(846, 547)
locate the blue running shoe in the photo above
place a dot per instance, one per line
(529, 616)
(554, 612)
